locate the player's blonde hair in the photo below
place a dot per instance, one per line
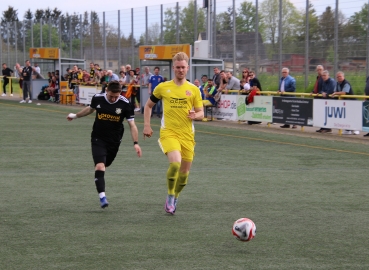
(180, 56)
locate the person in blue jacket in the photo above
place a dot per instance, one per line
(287, 83)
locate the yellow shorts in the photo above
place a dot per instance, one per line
(185, 147)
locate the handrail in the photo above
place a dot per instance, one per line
(300, 94)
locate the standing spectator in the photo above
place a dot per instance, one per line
(112, 76)
(177, 134)
(123, 68)
(92, 71)
(319, 80)
(18, 74)
(233, 83)
(154, 81)
(216, 77)
(328, 87)
(245, 82)
(254, 81)
(131, 88)
(197, 83)
(27, 76)
(204, 79)
(287, 83)
(122, 80)
(344, 88)
(367, 94)
(128, 68)
(7, 72)
(146, 77)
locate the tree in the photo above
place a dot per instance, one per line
(246, 18)
(270, 18)
(9, 18)
(225, 20)
(170, 26)
(326, 25)
(187, 19)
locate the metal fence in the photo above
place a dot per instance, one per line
(261, 35)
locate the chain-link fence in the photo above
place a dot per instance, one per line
(261, 35)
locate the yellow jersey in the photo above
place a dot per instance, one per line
(177, 102)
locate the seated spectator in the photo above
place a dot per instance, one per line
(210, 91)
(343, 87)
(53, 88)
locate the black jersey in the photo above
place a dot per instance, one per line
(108, 125)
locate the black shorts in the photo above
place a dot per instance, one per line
(104, 152)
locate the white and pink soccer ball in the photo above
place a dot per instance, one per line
(244, 229)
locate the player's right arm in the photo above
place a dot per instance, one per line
(86, 111)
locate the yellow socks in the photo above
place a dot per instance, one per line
(172, 175)
(181, 182)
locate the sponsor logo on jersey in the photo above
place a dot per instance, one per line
(108, 117)
(188, 93)
(98, 106)
(118, 110)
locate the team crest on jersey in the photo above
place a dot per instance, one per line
(188, 93)
(118, 110)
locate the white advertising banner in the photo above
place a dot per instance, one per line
(227, 108)
(261, 110)
(86, 93)
(339, 114)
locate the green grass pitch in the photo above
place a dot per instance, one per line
(308, 198)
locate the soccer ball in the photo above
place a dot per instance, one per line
(244, 229)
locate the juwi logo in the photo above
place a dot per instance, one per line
(334, 112)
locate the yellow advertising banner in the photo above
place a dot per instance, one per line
(162, 52)
(44, 53)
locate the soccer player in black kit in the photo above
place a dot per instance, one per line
(107, 132)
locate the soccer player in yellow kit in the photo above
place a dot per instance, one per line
(181, 105)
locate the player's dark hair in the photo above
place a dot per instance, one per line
(114, 87)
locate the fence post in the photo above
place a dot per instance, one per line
(336, 40)
(280, 38)
(16, 40)
(195, 20)
(256, 38)
(132, 41)
(7, 40)
(146, 27)
(161, 25)
(307, 45)
(234, 36)
(119, 51)
(104, 39)
(177, 22)
(31, 34)
(92, 40)
(40, 32)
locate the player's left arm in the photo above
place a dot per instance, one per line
(134, 135)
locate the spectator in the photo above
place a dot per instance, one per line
(122, 79)
(128, 68)
(222, 85)
(254, 81)
(319, 80)
(131, 89)
(154, 81)
(343, 87)
(287, 83)
(210, 91)
(92, 71)
(216, 77)
(53, 88)
(146, 77)
(232, 83)
(97, 67)
(112, 76)
(7, 72)
(37, 68)
(328, 87)
(204, 79)
(245, 82)
(367, 94)
(27, 76)
(18, 74)
(197, 83)
(86, 77)
(123, 68)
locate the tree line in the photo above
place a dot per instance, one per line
(352, 31)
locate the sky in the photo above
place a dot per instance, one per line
(348, 7)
